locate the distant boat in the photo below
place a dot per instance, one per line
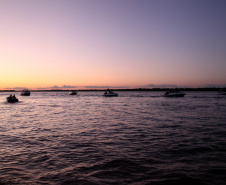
(109, 93)
(221, 92)
(174, 93)
(25, 92)
(72, 92)
(12, 99)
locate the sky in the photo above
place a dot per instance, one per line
(112, 43)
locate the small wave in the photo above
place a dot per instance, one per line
(177, 179)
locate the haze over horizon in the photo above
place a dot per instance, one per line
(120, 43)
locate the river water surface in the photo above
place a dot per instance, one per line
(137, 138)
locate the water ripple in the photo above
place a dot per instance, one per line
(136, 138)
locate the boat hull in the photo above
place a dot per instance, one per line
(25, 93)
(11, 100)
(174, 95)
(110, 94)
(221, 93)
(72, 93)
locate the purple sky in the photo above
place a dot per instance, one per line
(129, 43)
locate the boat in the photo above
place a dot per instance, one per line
(72, 92)
(109, 93)
(25, 92)
(12, 99)
(174, 93)
(221, 92)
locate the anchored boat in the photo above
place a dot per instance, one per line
(109, 93)
(221, 92)
(174, 93)
(25, 92)
(72, 92)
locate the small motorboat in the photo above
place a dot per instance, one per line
(25, 93)
(221, 92)
(174, 93)
(12, 99)
(109, 93)
(72, 92)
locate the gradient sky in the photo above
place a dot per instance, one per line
(117, 43)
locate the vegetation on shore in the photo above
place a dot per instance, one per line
(135, 89)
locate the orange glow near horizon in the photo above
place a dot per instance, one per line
(79, 43)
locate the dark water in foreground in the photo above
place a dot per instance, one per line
(136, 138)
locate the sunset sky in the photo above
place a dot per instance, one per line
(115, 43)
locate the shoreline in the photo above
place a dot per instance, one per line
(136, 89)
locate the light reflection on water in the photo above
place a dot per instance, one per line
(136, 138)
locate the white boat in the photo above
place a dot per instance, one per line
(12, 99)
(221, 92)
(72, 92)
(25, 92)
(174, 93)
(109, 93)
